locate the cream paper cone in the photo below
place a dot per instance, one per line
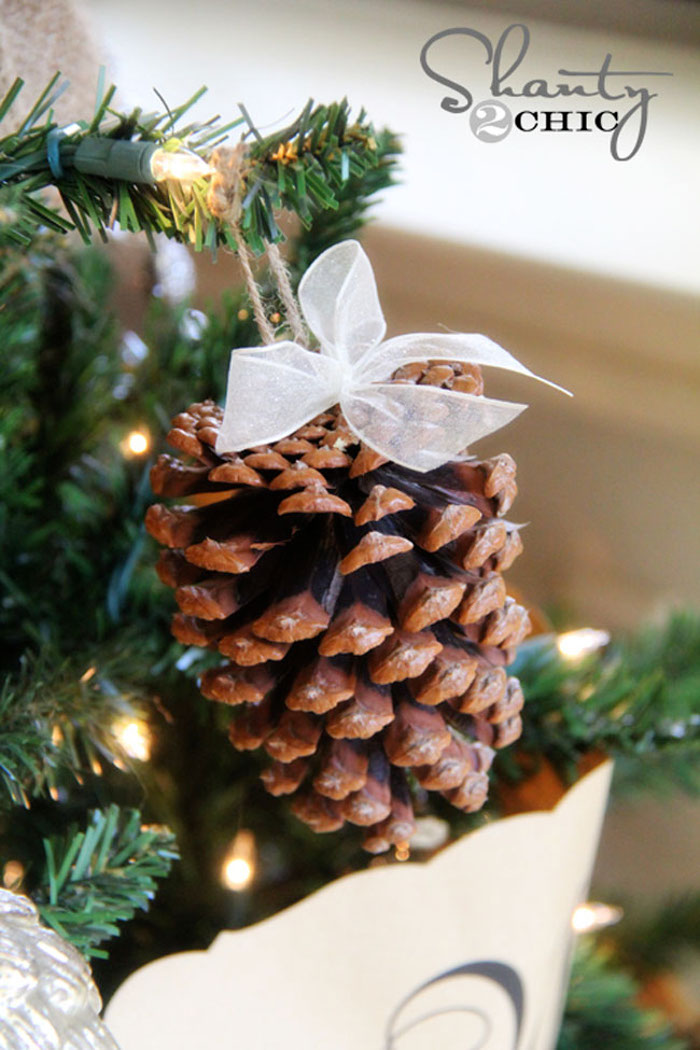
(469, 951)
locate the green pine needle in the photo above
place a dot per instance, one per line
(98, 877)
(57, 723)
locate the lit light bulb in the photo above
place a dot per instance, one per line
(13, 874)
(238, 868)
(136, 443)
(178, 165)
(135, 161)
(430, 833)
(238, 873)
(575, 645)
(135, 737)
(594, 916)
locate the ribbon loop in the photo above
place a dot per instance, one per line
(272, 391)
(338, 296)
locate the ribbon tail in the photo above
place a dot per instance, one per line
(381, 362)
(422, 427)
(272, 391)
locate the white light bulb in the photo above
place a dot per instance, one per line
(135, 737)
(238, 868)
(430, 833)
(237, 873)
(136, 443)
(594, 916)
(178, 165)
(575, 645)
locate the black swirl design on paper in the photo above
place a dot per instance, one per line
(500, 973)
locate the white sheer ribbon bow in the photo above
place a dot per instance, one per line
(273, 390)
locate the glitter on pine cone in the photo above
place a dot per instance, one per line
(359, 606)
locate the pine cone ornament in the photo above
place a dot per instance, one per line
(345, 559)
(359, 607)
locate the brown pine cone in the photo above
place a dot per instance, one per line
(359, 606)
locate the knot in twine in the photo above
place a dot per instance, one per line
(226, 186)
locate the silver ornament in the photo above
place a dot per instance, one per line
(48, 1000)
